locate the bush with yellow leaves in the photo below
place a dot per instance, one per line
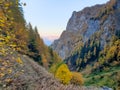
(63, 74)
(77, 78)
(19, 60)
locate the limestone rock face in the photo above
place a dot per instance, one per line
(82, 25)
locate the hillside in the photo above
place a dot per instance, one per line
(15, 33)
(29, 75)
(91, 44)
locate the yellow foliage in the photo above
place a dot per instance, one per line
(53, 69)
(114, 50)
(0, 60)
(77, 78)
(7, 5)
(19, 60)
(63, 74)
(9, 71)
(5, 63)
(8, 80)
(1, 75)
(2, 68)
(9, 41)
(2, 50)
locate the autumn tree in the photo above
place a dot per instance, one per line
(38, 50)
(32, 44)
(63, 74)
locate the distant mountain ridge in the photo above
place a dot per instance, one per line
(47, 41)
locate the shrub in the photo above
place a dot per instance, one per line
(52, 69)
(55, 66)
(77, 78)
(63, 74)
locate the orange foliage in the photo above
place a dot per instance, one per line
(77, 78)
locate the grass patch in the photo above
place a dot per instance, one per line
(104, 78)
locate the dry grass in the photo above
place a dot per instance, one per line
(36, 77)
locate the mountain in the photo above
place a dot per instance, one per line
(97, 24)
(91, 44)
(23, 52)
(47, 41)
(83, 24)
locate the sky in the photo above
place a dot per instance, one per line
(51, 16)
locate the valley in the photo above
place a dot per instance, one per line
(85, 57)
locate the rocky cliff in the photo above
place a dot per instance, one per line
(101, 19)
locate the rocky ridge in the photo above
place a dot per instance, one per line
(103, 19)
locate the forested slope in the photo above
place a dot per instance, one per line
(91, 44)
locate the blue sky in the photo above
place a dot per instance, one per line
(51, 16)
